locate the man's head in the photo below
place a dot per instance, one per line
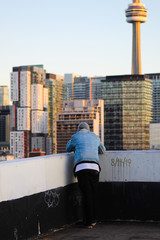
(83, 125)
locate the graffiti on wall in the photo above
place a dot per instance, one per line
(15, 233)
(77, 200)
(119, 162)
(51, 199)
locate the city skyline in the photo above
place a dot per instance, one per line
(89, 38)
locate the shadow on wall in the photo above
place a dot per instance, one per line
(69, 174)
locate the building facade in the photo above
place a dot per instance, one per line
(4, 117)
(155, 77)
(4, 127)
(155, 136)
(29, 123)
(78, 87)
(55, 85)
(4, 96)
(69, 85)
(75, 112)
(127, 112)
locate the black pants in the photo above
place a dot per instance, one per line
(88, 182)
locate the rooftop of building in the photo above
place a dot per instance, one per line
(135, 77)
(40, 199)
(4, 153)
(107, 231)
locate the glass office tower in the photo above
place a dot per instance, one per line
(55, 84)
(78, 87)
(155, 77)
(127, 112)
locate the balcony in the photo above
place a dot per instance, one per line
(38, 194)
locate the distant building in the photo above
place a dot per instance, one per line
(4, 126)
(4, 96)
(69, 79)
(36, 153)
(29, 116)
(20, 143)
(155, 77)
(127, 112)
(6, 155)
(155, 136)
(55, 85)
(96, 87)
(155, 123)
(4, 117)
(78, 87)
(75, 112)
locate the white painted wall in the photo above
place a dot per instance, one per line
(130, 166)
(19, 178)
(28, 176)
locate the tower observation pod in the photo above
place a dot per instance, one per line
(136, 14)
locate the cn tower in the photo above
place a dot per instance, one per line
(136, 14)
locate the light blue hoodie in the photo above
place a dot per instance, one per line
(86, 146)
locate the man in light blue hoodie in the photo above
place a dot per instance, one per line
(87, 146)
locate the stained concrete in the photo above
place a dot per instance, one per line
(107, 231)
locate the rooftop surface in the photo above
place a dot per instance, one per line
(107, 231)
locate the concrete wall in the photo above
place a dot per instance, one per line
(41, 193)
(25, 177)
(130, 166)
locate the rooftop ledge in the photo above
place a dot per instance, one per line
(41, 193)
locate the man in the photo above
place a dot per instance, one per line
(86, 146)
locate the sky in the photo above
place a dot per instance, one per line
(86, 37)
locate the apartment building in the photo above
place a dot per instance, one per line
(75, 112)
(29, 96)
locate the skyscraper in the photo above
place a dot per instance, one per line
(4, 126)
(29, 111)
(4, 117)
(155, 77)
(127, 112)
(136, 14)
(55, 85)
(69, 85)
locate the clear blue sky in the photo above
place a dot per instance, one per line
(87, 37)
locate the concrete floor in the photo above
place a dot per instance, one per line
(107, 231)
